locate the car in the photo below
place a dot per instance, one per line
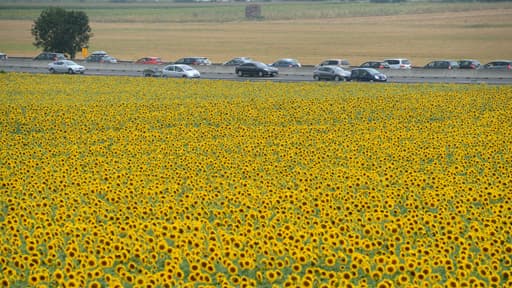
(343, 63)
(469, 64)
(100, 57)
(335, 73)
(180, 71)
(286, 62)
(442, 64)
(398, 63)
(256, 69)
(65, 66)
(108, 59)
(3, 56)
(51, 56)
(194, 61)
(375, 65)
(99, 52)
(152, 72)
(499, 64)
(367, 74)
(237, 61)
(149, 60)
(172, 70)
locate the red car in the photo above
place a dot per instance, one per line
(149, 60)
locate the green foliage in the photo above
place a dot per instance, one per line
(58, 30)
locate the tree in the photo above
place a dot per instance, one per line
(58, 30)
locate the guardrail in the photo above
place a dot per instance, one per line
(415, 72)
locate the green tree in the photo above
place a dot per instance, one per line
(58, 30)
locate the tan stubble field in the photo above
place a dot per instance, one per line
(483, 35)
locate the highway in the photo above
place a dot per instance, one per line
(303, 74)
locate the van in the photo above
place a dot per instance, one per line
(399, 63)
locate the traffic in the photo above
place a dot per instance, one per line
(397, 70)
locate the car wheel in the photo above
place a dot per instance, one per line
(316, 77)
(260, 74)
(240, 74)
(52, 70)
(337, 78)
(184, 76)
(70, 71)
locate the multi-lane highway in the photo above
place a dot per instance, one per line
(415, 75)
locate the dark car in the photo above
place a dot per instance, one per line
(100, 57)
(152, 72)
(50, 56)
(367, 74)
(375, 65)
(469, 64)
(256, 69)
(194, 61)
(499, 64)
(442, 64)
(286, 62)
(335, 73)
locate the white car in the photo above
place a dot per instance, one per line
(65, 66)
(398, 63)
(181, 71)
(343, 63)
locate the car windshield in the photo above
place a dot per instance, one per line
(372, 71)
(187, 68)
(69, 62)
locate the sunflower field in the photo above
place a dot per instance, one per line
(138, 182)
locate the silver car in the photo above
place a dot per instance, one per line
(180, 71)
(65, 66)
(343, 63)
(237, 61)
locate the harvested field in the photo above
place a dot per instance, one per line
(483, 34)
